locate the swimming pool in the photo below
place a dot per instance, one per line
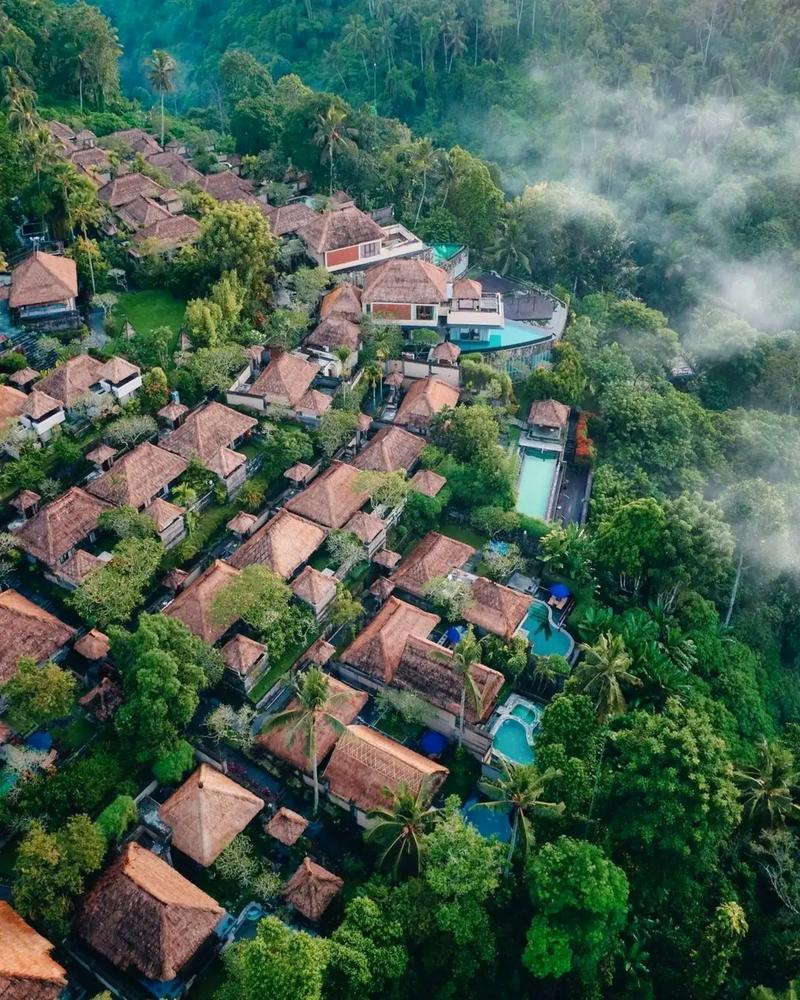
(511, 334)
(488, 822)
(547, 638)
(516, 721)
(536, 482)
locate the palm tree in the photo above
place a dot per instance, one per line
(466, 654)
(401, 828)
(315, 707)
(768, 788)
(38, 147)
(373, 376)
(605, 668)
(520, 789)
(507, 252)
(20, 105)
(425, 157)
(160, 69)
(356, 36)
(83, 210)
(333, 136)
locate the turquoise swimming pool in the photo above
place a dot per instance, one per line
(536, 482)
(511, 740)
(547, 639)
(512, 334)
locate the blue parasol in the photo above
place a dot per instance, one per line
(560, 590)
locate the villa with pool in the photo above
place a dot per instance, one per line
(541, 458)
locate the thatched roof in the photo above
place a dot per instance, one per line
(549, 413)
(103, 699)
(446, 352)
(176, 231)
(497, 609)
(194, 606)
(319, 652)
(425, 398)
(332, 498)
(405, 281)
(394, 379)
(24, 500)
(287, 219)
(311, 889)
(386, 558)
(163, 513)
(283, 544)
(225, 461)
(343, 302)
(436, 555)
(142, 212)
(315, 402)
(175, 579)
(286, 826)
(102, 453)
(79, 565)
(344, 228)
(335, 331)
(43, 278)
(344, 703)
(365, 764)
(391, 450)
(177, 169)
(61, 525)
(12, 402)
(146, 918)
(242, 653)
(366, 527)
(428, 482)
(23, 377)
(93, 646)
(297, 473)
(241, 523)
(206, 430)
(382, 588)
(71, 380)
(172, 411)
(314, 588)
(27, 972)
(138, 476)
(467, 288)
(285, 378)
(378, 648)
(122, 190)
(207, 812)
(364, 422)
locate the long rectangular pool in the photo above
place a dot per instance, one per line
(536, 482)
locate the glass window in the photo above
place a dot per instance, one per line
(425, 312)
(370, 249)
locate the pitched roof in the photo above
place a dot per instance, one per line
(60, 525)
(141, 211)
(344, 703)
(287, 376)
(172, 411)
(312, 889)
(428, 482)
(92, 646)
(138, 476)
(122, 190)
(100, 454)
(136, 138)
(286, 219)
(364, 764)
(335, 331)
(343, 228)
(435, 555)
(241, 523)
(315, 402)
(381, 588)
(366, 527)
(241, 653)
(403, 280)
(25, 499)
(175, 167)
(39, 405)
(117, 370)
(467, 288)
(549, 413)
(60, 131)
(386, 558)
(71, 379)
(163, 513)
(43, 278)
(314, 588)
(391, 450)
(207, 430)
(343, 302)
(283, 544)
(446, 351)
(332, 498)
(297, 473)
(225, 461)
(29, 631)
(286, 826)
(227, 186)
(497, 609)
(207, 812)
(27, 972)
(425, 397)
(79, 565)
(93, 156)
(378, 648)
(23, 376)
(175, 231)
(194, 605)
(319, 652)
(12, 402)
(146, 918)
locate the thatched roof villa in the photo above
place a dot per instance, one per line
(312, 889)
(27, 972)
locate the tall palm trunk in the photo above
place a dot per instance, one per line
(162, 116)
(512, 846)
(330, 157)
(462, 708)
(422, 196)
(313, 748)
(80, 92)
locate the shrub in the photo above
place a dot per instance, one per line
(585, 451)
(114, 821)
(169, 770)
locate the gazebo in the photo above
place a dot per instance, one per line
(298, 474)
(286, 826)
(312, 889)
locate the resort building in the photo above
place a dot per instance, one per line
(434, 556)
(74, 379)
(548, 419)
(424, 399)
(42, 413)
(495, 608)
(332, 498)
(139, 477)
(134, 140)
(346, 239)
(194, 606)
(124, 189)
(27, 970)
(285, 382)
(142, 212)
(317, 590)
(29, 631)
(377, 650)
(427, 482)
(312, 889)
(166, 235)
(180, 173)
(287, 220)
(245, 660)
(44, 292)
(283, 544)
(211, 433)
(369, 530)
(391, 450)
(344, 302)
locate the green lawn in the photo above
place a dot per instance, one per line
(462, 533)
(150, 309)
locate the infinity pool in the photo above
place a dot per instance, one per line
(536, 482)
(546, 638)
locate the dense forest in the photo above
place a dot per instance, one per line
(642, 160)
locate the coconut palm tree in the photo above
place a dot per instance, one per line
(466, 654)
(520, 789)
(316, 706)
(507, 252)
(425, 159)
(20, 105)
(160, 70)
(333, 135)
(769, 788)
(603, 672)
(38, 148)
(356, 37)
(373, 376)
(400, 828)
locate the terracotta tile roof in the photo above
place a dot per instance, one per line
(79, 565)
(43, 278)
(344, 228)
(207, 812)
(365, 764)
(315, 402)
(297, 473)
(177, 169)
(332, 498)
(172, 411)
(344, 703)
(25, 499)
(140, 475)
(428, 482)
(207, 430)
(334, 332)
(92, 646)
(287, 219)
(23, 376)
(141, 212)
(92, 157)
(386, 558)
(391, 450)
(425, 397)
(378, 648)
(436, 555)
(60, 525)
(226, 186)
(319, 652)
(283, 544)
(71, 380)
(29, 631)
(366, 527)
(12, 402)
(194, 605)
(447, 352)
(467, 288)
(314, 588)
(549, 413)
(241, 653)
(163, 513)
(286, 826)
(286, 377)
(497, 609)
(59, 130)
(382, 588)
(312, 889)
(135, 139)
(174, 579)
(343, 302)
(100, 454)
(146, 918)
(117, 370)
(176, 231)
(225, 462)
(241, 523)
(39, 405)
(122, 190)
(406, 281)
(27, 972)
